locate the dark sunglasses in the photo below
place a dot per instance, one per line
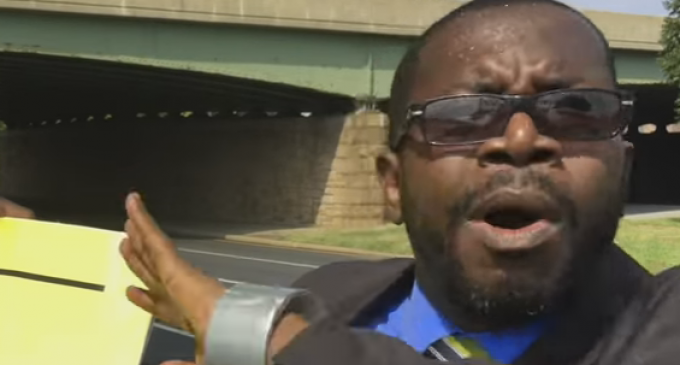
(566, 114)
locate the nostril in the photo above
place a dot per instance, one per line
(543, 155)
(519, 151)
(499, 158)
(503, 157)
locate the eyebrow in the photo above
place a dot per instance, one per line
(555, 83)
(486, 87)
(52, 280)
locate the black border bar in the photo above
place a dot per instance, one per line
(52, 280)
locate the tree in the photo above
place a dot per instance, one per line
(670, 40)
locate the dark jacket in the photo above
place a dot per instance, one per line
(358, 292)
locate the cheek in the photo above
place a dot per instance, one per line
(594, 174)
(433, 187)
(586, 176)
(476, 262)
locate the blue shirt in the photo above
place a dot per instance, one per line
(416, 322)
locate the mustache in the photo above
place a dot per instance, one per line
(518, 179)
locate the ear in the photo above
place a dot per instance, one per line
(389, 172)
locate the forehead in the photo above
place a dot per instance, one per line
(524, 48)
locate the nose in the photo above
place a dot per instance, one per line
(521, 145)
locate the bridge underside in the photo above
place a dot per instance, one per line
(39, 91)
(79, 134)
(356, 65)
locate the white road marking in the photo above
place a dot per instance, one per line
(238, 257)
(172, 329)
(227, 281)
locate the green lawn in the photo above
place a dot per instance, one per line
(654, 243)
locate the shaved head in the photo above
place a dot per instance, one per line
(482, 16)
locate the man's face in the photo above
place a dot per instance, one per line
(499, 228)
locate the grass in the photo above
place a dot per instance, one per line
(654, 243)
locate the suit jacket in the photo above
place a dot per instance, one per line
(357, 292)
(648, 332)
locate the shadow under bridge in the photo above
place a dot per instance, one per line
(78, 135)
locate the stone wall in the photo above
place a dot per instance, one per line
(352, 196)
(302, 171)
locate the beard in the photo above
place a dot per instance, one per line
(518, 297)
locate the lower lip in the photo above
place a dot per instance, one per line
(532, 228)
(505, 239)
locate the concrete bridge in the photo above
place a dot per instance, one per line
(263, 109)
(349, 47)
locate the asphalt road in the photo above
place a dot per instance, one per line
(232, 263)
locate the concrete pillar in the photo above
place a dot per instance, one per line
(352, 195)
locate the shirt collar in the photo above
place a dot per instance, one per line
(426, 324)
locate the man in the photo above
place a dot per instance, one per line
(509, 170)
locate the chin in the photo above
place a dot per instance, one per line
(515, 289)
(521, 290)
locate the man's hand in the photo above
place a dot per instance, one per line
(177, 293)
(13, 210)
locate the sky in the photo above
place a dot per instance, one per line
(643, 7)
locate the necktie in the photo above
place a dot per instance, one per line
(451, 348)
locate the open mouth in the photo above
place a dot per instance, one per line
(512, 218)
(516, 222)
(516, 210)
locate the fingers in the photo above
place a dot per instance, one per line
(136, 242)
(137, 265)
(141, 218)
(12, 210)
(146, 235)
(131, 231)
(141, 298)
(158, 307)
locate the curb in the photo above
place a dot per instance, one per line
(264, 241)
(652, 216)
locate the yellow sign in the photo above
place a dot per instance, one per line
(63, 297)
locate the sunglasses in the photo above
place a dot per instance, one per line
(566, 114)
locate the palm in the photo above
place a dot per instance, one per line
(177, 293)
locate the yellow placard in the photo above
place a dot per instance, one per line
(62, 298)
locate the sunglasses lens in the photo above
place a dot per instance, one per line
(565, 115)
(579, 114)
(463, 119)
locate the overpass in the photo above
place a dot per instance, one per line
(264, 110)
(349, 47)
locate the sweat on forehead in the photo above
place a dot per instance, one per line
(502, 38)
(494, 25)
